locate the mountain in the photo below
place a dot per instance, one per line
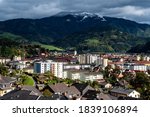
(81, 30)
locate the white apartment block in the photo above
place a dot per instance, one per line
(83, 75)
(93, 77)
(41, 67)
(138, 67)
(57, 69)
(76, 66)
(105, 62)
(4, 61)
(87, 58)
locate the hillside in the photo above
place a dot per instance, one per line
(142, 48)
(77, 30)
(14, 45)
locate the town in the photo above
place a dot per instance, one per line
(60, 75)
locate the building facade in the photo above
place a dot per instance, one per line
(41, 67)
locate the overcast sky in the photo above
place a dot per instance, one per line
(138, 10)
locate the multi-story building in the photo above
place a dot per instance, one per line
(94, 77)
(41, 67)
(57, 69)
(84, 75)
(138, 67)
(87, 58)
(77, 66)
(104, 62)
(4, 60)
(82, 58)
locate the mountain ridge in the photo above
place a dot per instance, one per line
(56, 29)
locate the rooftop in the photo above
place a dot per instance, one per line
(54, 97)
(4, 80)
(122, 90)
(59, 87)
(19, 95)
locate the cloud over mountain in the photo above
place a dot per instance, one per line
(137, 10)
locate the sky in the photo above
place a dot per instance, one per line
(137, 10)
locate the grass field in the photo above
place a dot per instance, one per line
(49, 47)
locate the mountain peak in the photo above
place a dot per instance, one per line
(84, 15)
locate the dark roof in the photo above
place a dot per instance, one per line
(80, 87)
(33, 89)
(73, 90)
(19, 95)
(54, 97)
(59, 87)
(128, 98)
(4, 79)
(103, 96)
(122, 90)
(90, 95)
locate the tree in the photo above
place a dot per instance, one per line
(68, 81)
(3, 70)
(142, 84)
(95, 85)
(27, 80)
(107, 71)
(47, 93)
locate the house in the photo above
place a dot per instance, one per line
(122, 92)
(20, 95)
(103, 96)
(59, 88)
(33, 89)
(90, 95)
(29, 69)
(6, 84)
(70, 92)
(54, 97)
(105, 85)
(82, 88)
(17, 64)
(40, 86)
(73, 93)
(23, 93)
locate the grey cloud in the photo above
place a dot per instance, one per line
(137, 10)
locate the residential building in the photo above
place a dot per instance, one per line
(6, 85)
(88, 58)
(59, 88)
(121, 92)
(83, 75)
(4, 60)
(41, 67)
(17, 58)
(62, 89)
(76, 74)
(54, 97)
(90, 95)
(24, 93)
(92, 76)
(138, 67)
(57, 69)
(29, 69)
(82, 88)
(105, 62)
(77, 66)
